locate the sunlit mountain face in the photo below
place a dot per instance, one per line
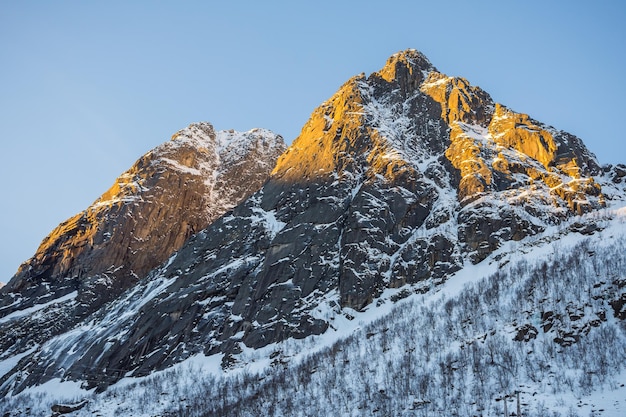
(418, 250)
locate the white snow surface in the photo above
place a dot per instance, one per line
(9, 363)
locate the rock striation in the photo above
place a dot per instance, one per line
(398, 180)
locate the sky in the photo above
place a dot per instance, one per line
(86, 88)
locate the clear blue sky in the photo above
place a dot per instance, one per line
(87, 87)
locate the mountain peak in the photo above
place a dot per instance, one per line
(196, 130)
(394, 184)
(410, 110)
(409, 62)
(172, 192)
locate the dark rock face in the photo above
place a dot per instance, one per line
(67, 408)
(398, 179)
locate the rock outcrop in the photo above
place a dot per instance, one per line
(399, 179)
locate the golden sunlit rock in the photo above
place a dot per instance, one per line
(517, 131)
(397, 63)
(488, 139)
(328, 134)
(459, 100)
(465, 155)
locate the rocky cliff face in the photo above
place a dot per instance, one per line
(169, 194)
(398, 180)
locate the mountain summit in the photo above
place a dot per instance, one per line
(172, 192)
(399, 180)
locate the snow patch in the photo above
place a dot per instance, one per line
(269, 220)
(37, 307)
(7, 364)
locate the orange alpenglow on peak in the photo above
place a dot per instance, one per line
(373, 115)
(404, 64)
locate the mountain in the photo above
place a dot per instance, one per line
(172, 192)
(405, 184)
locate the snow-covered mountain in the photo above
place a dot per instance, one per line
(170, 193)
(497, 237)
